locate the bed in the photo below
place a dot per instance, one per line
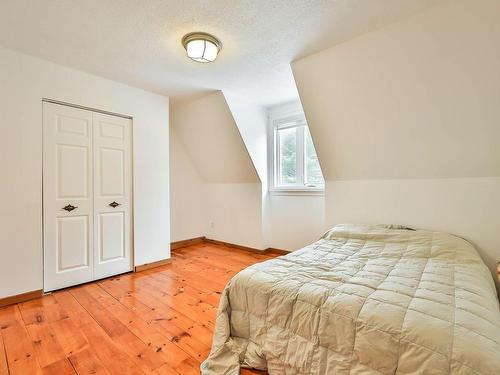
(362, 300)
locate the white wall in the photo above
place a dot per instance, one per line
(295, 220)
(24, 82)
(207, 130)
(231, 209)
(231, 188)
(406, 122)
(467, 207)
(292, 221)
(251, 121)
(188, 195)
(235, 214)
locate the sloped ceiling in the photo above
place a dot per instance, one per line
(207, 130)
(417, 99)
(252, 124)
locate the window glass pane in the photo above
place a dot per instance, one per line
(313, 175)
(287, 156)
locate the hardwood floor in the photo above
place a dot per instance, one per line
(158, 321)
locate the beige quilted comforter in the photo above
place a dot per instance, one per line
(362, 300)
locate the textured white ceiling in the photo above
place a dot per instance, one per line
(138, 41)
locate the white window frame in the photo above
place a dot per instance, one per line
(280, 121)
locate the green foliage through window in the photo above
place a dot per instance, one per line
(297, 165)
(288, 156)
(313, 175)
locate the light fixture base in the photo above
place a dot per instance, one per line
(197, 35)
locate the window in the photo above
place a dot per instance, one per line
(295, 164)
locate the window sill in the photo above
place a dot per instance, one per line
(305, 192)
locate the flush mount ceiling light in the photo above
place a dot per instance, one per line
(201, 47)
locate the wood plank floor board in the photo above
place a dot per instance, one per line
(85, 362)
(8, 315)
(26, 366)
(144, 356)
(176, 298)
(47, 347)
(69, 336)
(205, 284)
(193, 337)
(78, 315)
(4, 368)
(154, 340)
(42, 310)
(198, 310)
(18, 345)
(115, 360)
(230, 262)
(61, 367)
(158, 321)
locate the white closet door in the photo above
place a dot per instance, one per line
(68, 196)
(112, 195)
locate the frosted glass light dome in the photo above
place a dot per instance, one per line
(201, 47)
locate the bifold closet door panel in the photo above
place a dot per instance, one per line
(112, 195)
(67, 196)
